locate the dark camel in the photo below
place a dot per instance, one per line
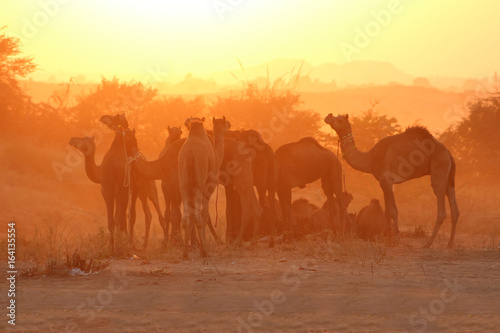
(319, 218)
(236, 175)
(303, 162)
(140, 188)
(371, 221)
(401, 157)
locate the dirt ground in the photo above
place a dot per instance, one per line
(309, 286)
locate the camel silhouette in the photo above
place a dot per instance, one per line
(399, 158)
(303, 162)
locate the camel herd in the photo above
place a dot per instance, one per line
(192, 169)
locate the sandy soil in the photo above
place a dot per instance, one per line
(310, 286)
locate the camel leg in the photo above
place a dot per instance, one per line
(133, 215)
(271, 199)
(167, 216)
(230, 219)
(187, 226)
(110, 207)
(256, 212)
(285, 197)
(201, 219)
(153, 196)
(455, 213)
(391, 211)
(245, 218)
(440, 217)
(148, 218)
(175, 218)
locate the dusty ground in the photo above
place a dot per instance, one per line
(310, 286)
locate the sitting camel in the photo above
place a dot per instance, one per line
(371, 221)
(303, 162)
(140, 189)
(302, 211)
(401, 157)
(319, 218)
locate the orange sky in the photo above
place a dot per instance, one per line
(134, 39)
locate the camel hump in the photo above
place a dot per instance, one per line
(310, 140)
(419, 130)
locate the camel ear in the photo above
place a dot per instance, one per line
(93, 138)
(168, 128)
(203, 119)
(228, 125)
(213, 120)
(346, 116)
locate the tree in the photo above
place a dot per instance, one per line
(14, 104)
(370, 127)
(475, 141)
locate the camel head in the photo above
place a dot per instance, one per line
(221, 126)
(252, 138)
(174, 133)
(191, 120)
(115, 122)
(86, 144)
(339, 124)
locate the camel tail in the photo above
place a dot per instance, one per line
(451, 176)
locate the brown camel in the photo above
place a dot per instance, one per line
(141, 188)
(265, 167)
(236, 174)
(114, 193)
(371, 221)
(319, 218)
(170, 183)
(197, 174)
(303, 162)
(401, 157)
(174, 134)
(302, 211)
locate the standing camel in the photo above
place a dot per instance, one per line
(236, 175)
(265, 167)
(140, 185)
(197, 175)
(303, 162)
(401, 157)
(141, 188)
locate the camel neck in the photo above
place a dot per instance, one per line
(357, 159)
(219, 149)
(92, 170)
(149, 170)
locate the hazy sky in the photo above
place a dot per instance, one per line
(134, 38)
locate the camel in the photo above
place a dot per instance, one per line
(174, 134)
(140, 188)
(197, 174)
(399, 158)
(303, 162)
(319, 218)
(170, 183)
(302, 211)
(236, 174)
(265, 167)
(114, 193)
(371, 221)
